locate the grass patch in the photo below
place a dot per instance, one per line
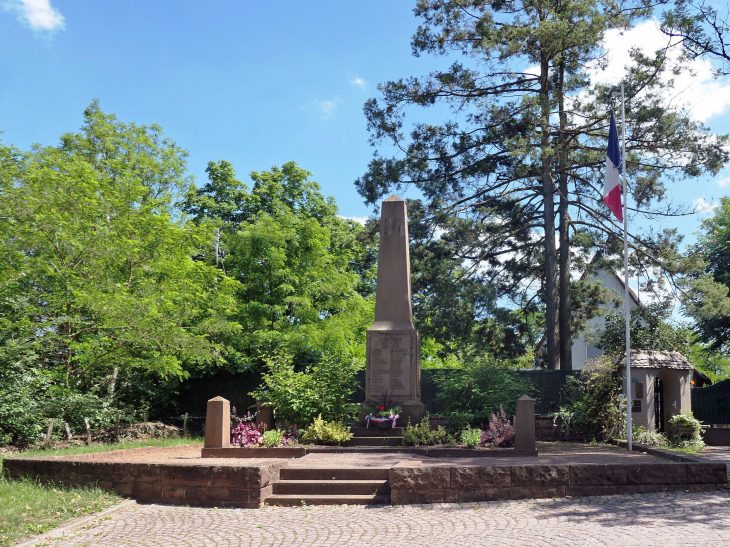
(88, 449)
(685, 450)
(28, 508)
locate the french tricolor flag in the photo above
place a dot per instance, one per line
(612, 182)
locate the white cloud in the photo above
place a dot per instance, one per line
(324, 109)
(39, 14)
(704, 96)
(724, 182)
(701, 205)
(329, 107)
(358, 82)
(360, 220)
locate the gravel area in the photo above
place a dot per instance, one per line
(549, 453)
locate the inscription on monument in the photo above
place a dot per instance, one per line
(393, 226)
(390, 361)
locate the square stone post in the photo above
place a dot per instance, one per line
(218, 423)
(525, 424)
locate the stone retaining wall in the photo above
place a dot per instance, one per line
(470, 484)
(185, 484)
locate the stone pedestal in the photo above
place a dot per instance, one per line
(264, 415)
(218, 423)
(393, 361)
(525, 424)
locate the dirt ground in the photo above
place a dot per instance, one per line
(549, 453)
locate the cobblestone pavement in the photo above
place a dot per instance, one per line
(648, 520)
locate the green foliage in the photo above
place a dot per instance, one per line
(72, 408)
(422, 434)
(492, 161)
(470, 437)
(272, 438)
(642, 435)
(301, 270)
(470, 395)
(707, 299)
(98, 288)
(323, 388)
(650, 330)
(713, 363)
(692, 441)
(590, 404)
(321, 432)
(23, 389)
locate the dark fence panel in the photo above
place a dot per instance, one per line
(711, 405)
(194, 392)
(547, 387)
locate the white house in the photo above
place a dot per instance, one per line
(583, 349)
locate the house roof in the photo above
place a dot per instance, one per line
(593, 270)
(658, 359)
(632, 294)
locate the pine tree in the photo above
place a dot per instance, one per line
(526, 123)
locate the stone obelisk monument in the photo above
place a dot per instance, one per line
(393, 365)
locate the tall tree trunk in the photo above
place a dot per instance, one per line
(565, 324)
(551, 293)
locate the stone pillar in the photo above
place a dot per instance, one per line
(218, 423)
(393, 361)
(264, 415)
(525, 424)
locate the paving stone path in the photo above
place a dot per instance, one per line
(687, 519)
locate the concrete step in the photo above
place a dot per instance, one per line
(338, 474)
(374, 441)
(332, 488)
(299, 501)
(377, 432)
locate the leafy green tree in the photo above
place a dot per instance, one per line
(706, 298)
(700, 30)
(302, 271)
(97, 276)
(651, 329)
(521, 146)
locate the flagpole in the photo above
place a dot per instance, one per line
(626, 273)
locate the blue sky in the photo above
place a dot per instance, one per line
(255, 83)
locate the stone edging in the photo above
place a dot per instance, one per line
(301, 451)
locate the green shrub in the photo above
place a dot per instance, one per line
(272, 438)
(322, 389)
(692, 441)
(72, 408)
(422, 434)
(21, 412)
(642, 435)
(470, 437)
(321, 432)
(590, 402)
(472, 394)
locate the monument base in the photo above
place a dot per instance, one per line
(413, 411)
